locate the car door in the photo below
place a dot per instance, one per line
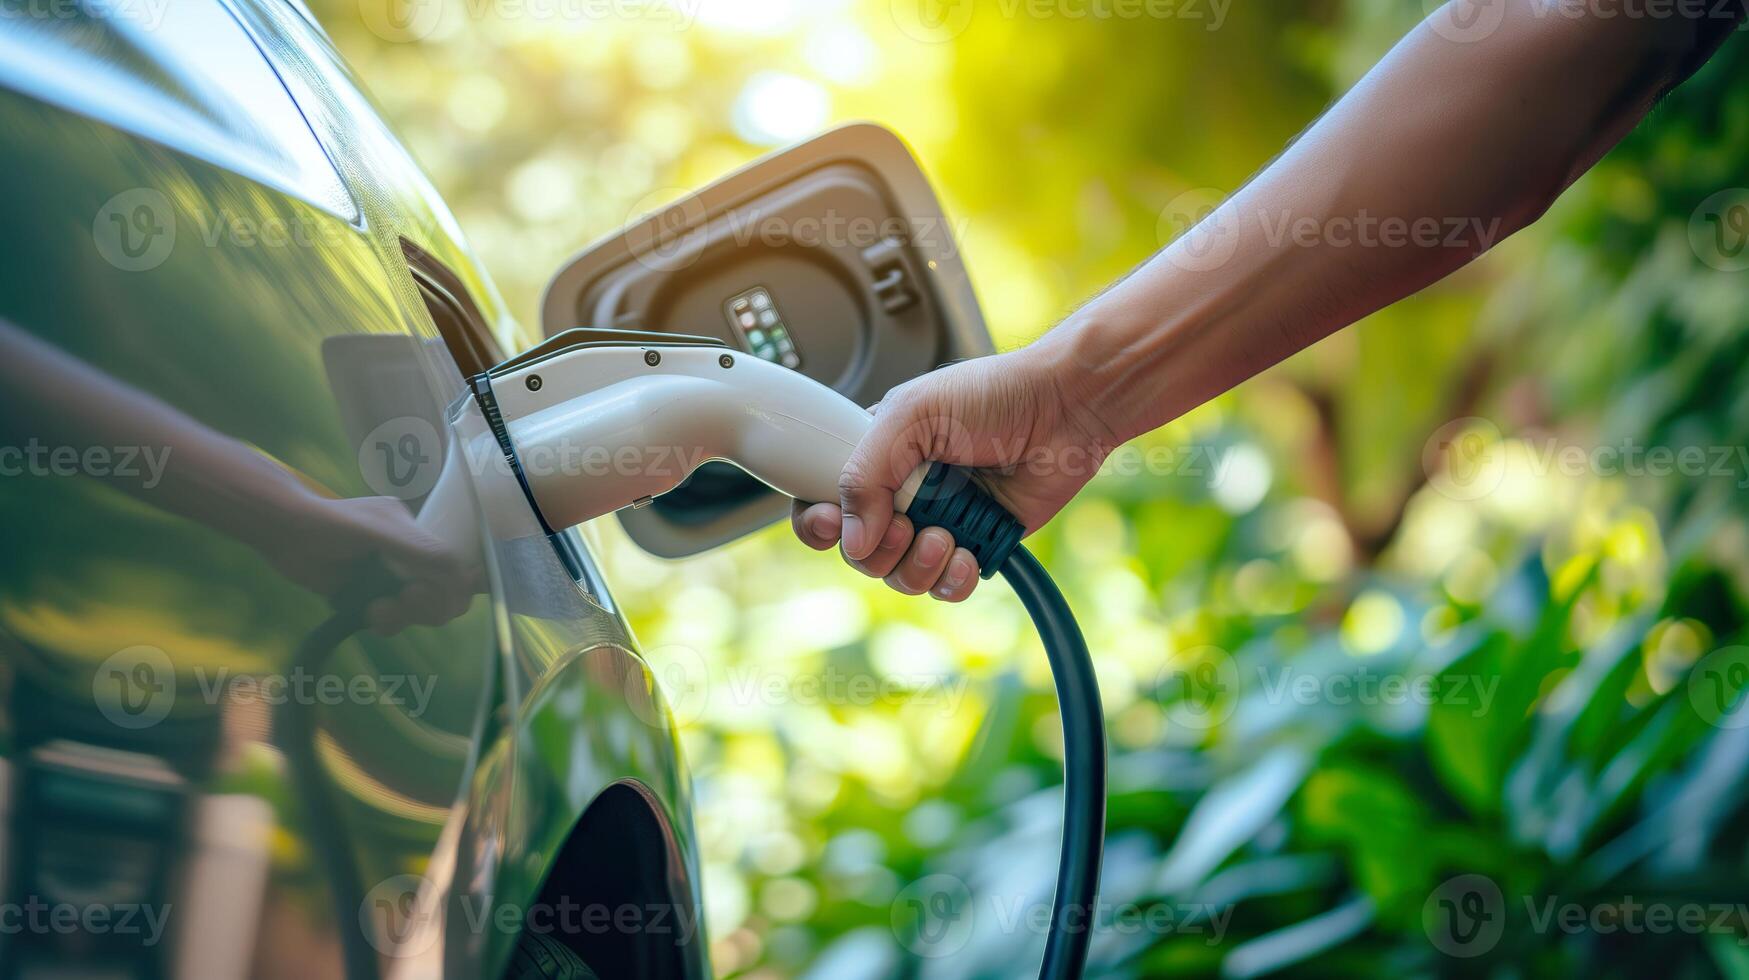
(184, 497)
(576, 798)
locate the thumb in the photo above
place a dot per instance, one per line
(878, 467)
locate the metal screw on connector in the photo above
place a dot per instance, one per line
(726, 361)
(652, 358)
(534, 382)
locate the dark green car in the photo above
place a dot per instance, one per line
(234, 320)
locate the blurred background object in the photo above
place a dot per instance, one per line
(1419, 652)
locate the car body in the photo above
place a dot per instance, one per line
(214, 239)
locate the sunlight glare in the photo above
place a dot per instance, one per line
(776, 108)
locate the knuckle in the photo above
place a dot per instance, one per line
(900, 582)
(853, 482)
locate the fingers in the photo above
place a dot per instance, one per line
(385, 617)
(414, 552)
(877, 468)
(956, 584)
(887, 555)
(817, 525)
(922, 567)
(419, 603)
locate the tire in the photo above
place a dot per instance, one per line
(539, 957)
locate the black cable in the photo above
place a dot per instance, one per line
(950, 498)
(312, 789)
(1083, 765)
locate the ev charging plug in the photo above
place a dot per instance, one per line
(595, 421)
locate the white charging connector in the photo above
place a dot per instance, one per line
(594, 422)
(599, 428)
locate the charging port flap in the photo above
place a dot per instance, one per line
(832, 258)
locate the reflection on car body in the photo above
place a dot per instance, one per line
(209, 768)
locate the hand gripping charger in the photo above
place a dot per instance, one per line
(593, 421)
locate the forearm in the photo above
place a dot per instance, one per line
(1441, 151)
(187, 468)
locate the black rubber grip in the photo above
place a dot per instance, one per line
(951, 500)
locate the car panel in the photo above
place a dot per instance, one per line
(216, 308)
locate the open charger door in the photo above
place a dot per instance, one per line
(832, 258)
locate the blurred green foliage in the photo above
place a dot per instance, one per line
(1366, 634)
